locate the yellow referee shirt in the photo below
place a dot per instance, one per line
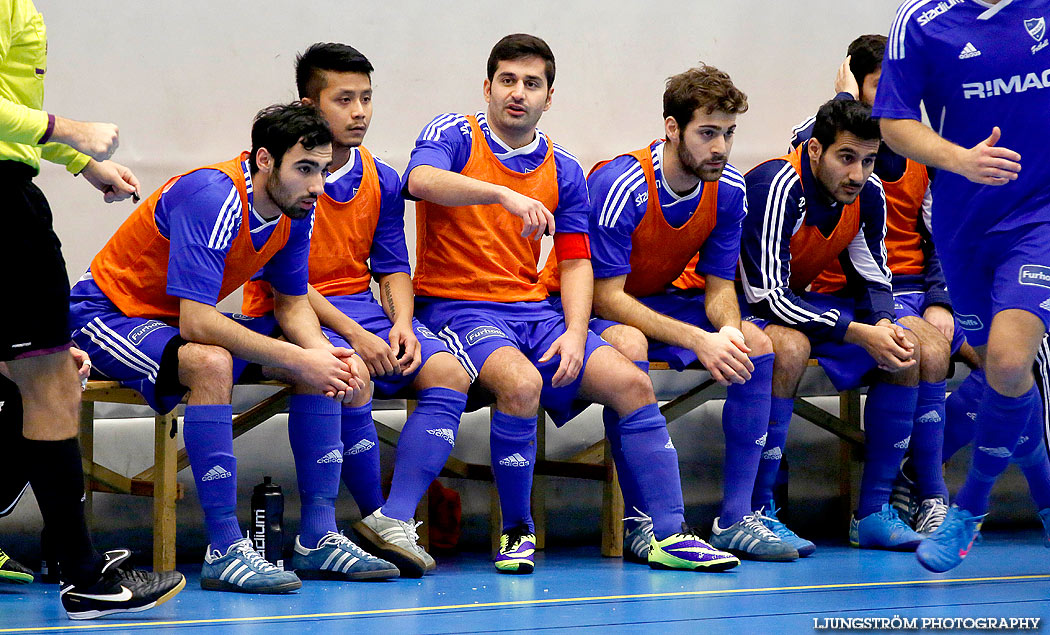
(23, 64)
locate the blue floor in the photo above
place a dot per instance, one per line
(1007, 575)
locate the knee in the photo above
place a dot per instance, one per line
(756, 339)
(205, 368)
(629, 341)
(936, 351)
(792, 348)
(1009, 372)
(444, 371)
(521, 398)
(633, 389)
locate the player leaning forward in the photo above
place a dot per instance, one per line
(477, 284)
(145, 312)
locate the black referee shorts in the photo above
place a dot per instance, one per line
(34, 318)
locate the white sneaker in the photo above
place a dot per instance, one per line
(394, 540)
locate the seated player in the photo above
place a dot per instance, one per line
(491, 185)
(145, 312)
(815, 205)
(920, 295)
(651, 211)
(16, 482)
(359, 233)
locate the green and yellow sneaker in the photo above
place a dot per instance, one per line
(12, 571)
(516, 548)
(686, 550)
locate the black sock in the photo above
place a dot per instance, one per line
(57, 477)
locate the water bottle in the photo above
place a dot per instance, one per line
(267, 522)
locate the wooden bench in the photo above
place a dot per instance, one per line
(593, 463)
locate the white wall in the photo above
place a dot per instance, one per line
(183, 79)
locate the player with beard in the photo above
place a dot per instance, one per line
(491, 185)
(145, 313)
(652, 210)
(820, 203)
(359, 233)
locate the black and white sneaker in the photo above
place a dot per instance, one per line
(119, 589)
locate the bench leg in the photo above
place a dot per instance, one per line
(495, 519)
(849, 457)
(539, 491)
(87, 451)
(165, 453)
(612, 510)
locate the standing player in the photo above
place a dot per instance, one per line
(920, 297)
(359, 233)
(980, 71)
(35, 339)
(652, 210)
(815, 205)
(145, 312)
(477, 283)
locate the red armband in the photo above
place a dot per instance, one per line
(572, 246)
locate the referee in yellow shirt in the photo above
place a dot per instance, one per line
(34, 331)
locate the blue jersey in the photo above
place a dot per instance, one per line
(200, 215)
(974, 66)
(389, 253)
(445, 144)
(781, 200)
(619, 198)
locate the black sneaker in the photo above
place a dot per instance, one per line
(12, 571)
(119, 589)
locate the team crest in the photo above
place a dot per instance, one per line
(1036, 27)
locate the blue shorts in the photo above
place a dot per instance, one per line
(845, 364)
(1002, 270)
(474, 330)
(910, 303)
(685, 305)
(363, 309)
(135, 351)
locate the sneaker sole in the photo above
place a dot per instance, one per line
(16, 577)
(359, 576)
(630, 556)
(408, 564)
(806, 551)
(88, 615)
(904, 546)
(519, 568)
(763, 557)
(713, 567)
(222, 585)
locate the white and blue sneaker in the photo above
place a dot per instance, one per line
(931, 514)
(636, 540)
(945, 548)
(883, 529)
(337, 558)
(243, 570)
(769, 519)
(750, 539)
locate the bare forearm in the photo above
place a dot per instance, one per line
(720, 303)
(921, 143)
(395, 294)
(451, 189)
(203, 324)
(328, 315)
(577, 284)
(298, 321)
(613, 303)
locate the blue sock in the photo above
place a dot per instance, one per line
(313, 432)
(1000, 422)
(512, 443)
(927, 441)
(652, 464)
(745, 420)
(888, 417)
(780, 409)
(1030, 456)
(361, 458)
(960, 414)
(208, 433)
(425, 443)
(632, 498)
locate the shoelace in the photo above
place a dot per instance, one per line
(936, 514)
(642, 518)
(752, 522)
(255, 561)
(515, 536)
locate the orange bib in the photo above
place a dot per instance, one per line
(659, 252)
(340, 244)
(132, 268)
(476, 252)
